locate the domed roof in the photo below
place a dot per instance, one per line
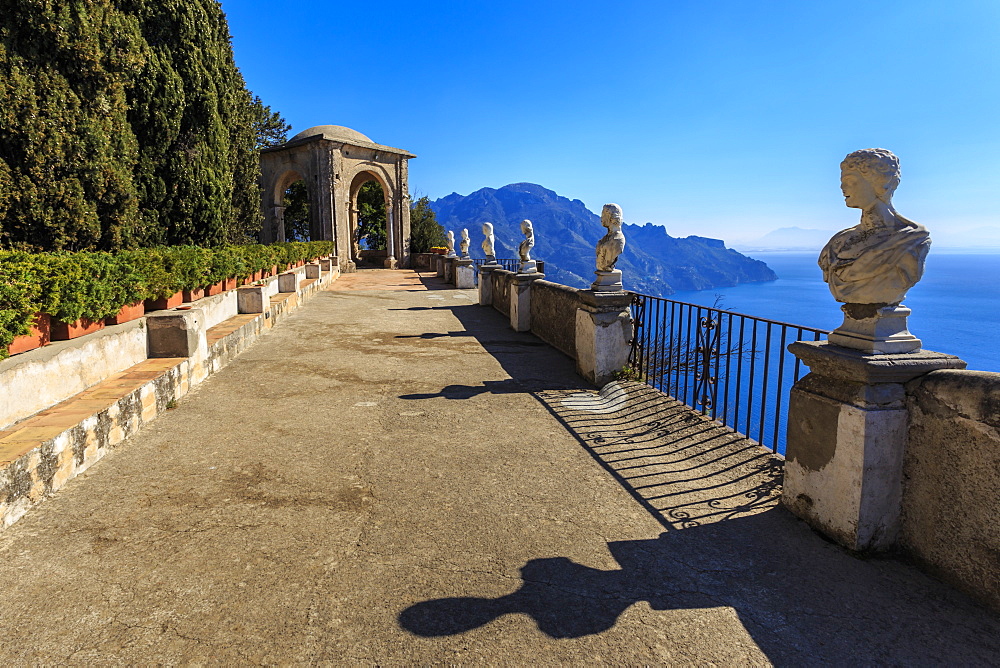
(335, 133)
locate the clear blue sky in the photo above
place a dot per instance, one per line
(720, 118)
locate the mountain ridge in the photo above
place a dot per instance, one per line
(566, 233)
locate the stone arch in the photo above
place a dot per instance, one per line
(363, 174)
(331, 159)
(279, 185)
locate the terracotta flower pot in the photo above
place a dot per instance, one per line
(214, 289)
(229, 284)
(64, 331)
(172, 301)
(41, 331)
(127, 313)
(194, 295)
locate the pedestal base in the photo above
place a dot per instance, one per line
(390, 263)
(603, 334)
(608, 281)
(486, 284)
(878, 330)
(847, 431)
(520, 301)
(465, 274)
(527, 267)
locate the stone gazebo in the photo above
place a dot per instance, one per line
(335, 162)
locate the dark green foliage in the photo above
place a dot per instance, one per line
(66, 153)
(297, 212)
(193, 119)
(95, 285)
(425, 232)
(371, 216)
(124, 123)
(270, 129)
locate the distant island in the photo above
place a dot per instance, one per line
(566, 231)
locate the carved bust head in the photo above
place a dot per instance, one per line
(487, 229)
(526, 228)
(465, 234)
(868, 175)
(611, 217)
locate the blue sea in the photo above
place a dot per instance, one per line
(956, 306)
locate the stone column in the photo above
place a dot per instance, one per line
(603, 334)
(465, 274)
(486, 284)
(449, 270)
(390, 237)
(520, 300)
(279, 217)
(847, 430)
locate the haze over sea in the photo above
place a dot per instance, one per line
(956, 306)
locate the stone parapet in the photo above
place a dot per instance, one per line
(847, 432)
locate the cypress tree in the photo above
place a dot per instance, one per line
(193, 117)
(66, 151)
(123, 123)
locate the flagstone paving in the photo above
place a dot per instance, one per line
(391, 476)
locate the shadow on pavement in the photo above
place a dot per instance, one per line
(726, 542)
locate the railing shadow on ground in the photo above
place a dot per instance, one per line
(726, 542)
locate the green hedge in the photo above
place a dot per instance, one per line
(95, 285)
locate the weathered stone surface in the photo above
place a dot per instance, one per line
(553, 314)
(527, 266)
(37, 379)
(252, 299)
(951, 485)
(176, 333)
(489, 250)
(520, 300)
(847, 432)
(465, 274)
(603, 334)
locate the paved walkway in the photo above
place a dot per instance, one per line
(394, 477)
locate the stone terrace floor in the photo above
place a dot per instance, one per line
(392, 476)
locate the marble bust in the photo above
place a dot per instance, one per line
(464, 244)
(871, 266)
(878, 260)
(489, 249)
(611, 244)
(524, 249)
(451, 243)
(609, 248)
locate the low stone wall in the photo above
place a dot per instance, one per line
(40, 378)
(553, 314)
(422, 260)
(502, 282)
(951, 485)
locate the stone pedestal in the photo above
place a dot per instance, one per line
(288, 281)
(520, 301)
(607, 281)
(312, 270)
(847, 430)
(603, 334)
(390, 263)
(177, 334)
(527, 267)
(252, 299)
(465, 274)
(486, 283)
(449, 269)
(872, 329)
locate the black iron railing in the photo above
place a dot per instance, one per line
(508, 264)
(732, 367)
